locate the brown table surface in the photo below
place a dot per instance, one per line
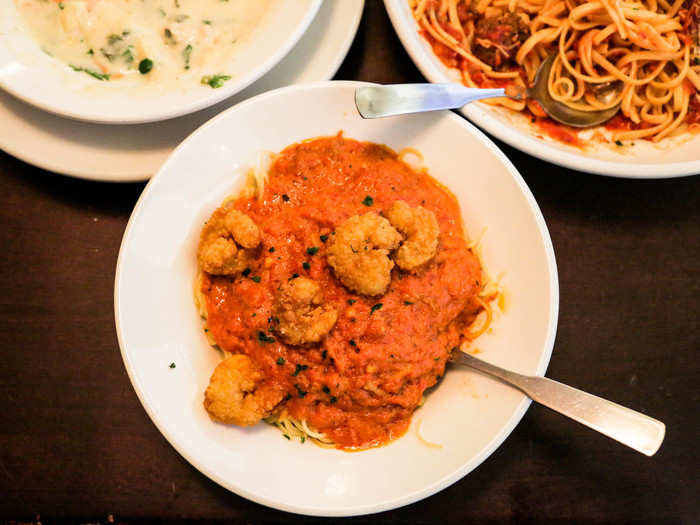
(76, 445)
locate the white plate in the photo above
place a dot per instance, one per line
(673, 158)
(157, 322)
(30, 74)
(135, 152)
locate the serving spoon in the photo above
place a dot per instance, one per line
(399, 99)
(630, 428)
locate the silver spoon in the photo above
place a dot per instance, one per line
(630, 428)
(398, 99)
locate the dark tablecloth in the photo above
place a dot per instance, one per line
(75, 443)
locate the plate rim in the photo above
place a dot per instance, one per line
(215, 97)
(33, 156)
(432, 71)
(415, 496)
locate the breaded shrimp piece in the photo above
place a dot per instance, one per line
(301, 317)
(226, 242)
(359, 253)
(420, 229)
(237, 394)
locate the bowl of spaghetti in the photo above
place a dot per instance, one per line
(641, 56)
(299, 297)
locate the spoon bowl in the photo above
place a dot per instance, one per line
(559, 111)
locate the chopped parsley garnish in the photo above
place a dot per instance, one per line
(407, 303)
(90, 52)
(696, 61)
(299, 368)
(172, 365)
(301, 392)
(618, 142)
(280, 361)
(352, 342)
(303, 439)
(109, 56)
(255, 278)
(187, 54)
(181, 18)
(306, 265)
(294, 276)
(285, 435)
(168, 37)
(333, 399)
(94, 74)
(145, 66)
(208, 22)
(312, 250)
(285, 197)
(61, 6)
(324, 354)
(368, 201)
(324, 238)
(272, 249)
(264, 338)
(215, 81)
(326, 389)
(127, 55)
(246, 272)
(376, 307)
(351, 301)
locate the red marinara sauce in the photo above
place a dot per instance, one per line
(361, 384)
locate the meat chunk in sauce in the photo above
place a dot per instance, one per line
(497, 39)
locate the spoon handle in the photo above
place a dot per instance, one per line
(630, 428)
(398, 99)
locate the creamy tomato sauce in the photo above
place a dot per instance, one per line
(154, 41)
(361, 384)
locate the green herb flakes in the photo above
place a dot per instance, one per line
(376, 307)
(264, 338)
(215, 81)
(299, 368)
(145, 66)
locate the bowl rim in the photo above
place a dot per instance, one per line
(496, 441)
(434, 71)
(227, 90)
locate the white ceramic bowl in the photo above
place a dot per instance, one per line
(673, 158)
(157, 322)
(33, 76)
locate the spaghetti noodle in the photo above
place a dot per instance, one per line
(643, 54)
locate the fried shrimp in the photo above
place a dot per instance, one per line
(237, 394)
(359, 253)
(301, 317)
(420, 229)
(226, 242)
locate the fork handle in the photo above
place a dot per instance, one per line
(399, 99)
(622, 424)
